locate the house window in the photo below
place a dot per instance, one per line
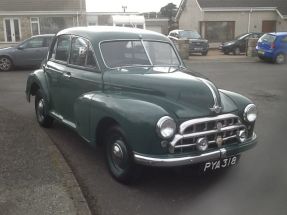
(35, 25)
(217, 31)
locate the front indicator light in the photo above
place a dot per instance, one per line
(242, 136)
(202, 144)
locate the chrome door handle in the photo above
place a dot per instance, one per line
(67, 75)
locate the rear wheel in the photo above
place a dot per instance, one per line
(236, 51)
(41, 107)
(204, 53)
(5, 64)
(280, 58)
(119, 156)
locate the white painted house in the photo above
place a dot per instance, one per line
(222, 20)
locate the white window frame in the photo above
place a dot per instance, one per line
(5, 30)
(35, 22)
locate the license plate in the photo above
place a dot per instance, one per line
(220, 164)
(261, 52)
(198, 49)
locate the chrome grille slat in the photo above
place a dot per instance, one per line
(191, 130)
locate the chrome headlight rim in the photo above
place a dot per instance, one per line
(249, 111)
(164, 121)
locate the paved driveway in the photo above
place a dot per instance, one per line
(258, 185)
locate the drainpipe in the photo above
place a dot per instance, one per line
(77, 18)
(249, 20)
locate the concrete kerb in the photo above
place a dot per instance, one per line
(217, 56)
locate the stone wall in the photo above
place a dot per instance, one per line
(2, 33)
(25, 27)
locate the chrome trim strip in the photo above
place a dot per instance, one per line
(188, 123)
(186, 160)
(150, 61)
(224, 139)
(216, 107)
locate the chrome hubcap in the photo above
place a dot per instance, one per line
(5, 64)
(40, 110)
(118, 155)
(117, 151)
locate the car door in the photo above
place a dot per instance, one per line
(31, 52)
(55, 68)
(243, 43)
(284, 44)
(82, 76)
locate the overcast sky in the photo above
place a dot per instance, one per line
(132, 5)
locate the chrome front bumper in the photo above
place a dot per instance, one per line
(189, 160)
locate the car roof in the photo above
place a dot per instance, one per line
(182, 30)
(97, 34)
(43, 35)
(278, 33)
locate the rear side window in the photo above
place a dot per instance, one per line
(267, 38)
(61, 49)
(82, 53)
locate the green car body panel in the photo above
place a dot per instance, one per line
(133, 97)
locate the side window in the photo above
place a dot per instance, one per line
(284, 39)
(91, 60)
(47, 41)
(79, 51)
(61, 49)
(34, 43)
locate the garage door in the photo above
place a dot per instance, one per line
(154, 28)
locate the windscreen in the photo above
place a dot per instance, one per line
(189, 35)
(138, 53)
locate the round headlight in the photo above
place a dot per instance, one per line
(250, 113)
(166, 127)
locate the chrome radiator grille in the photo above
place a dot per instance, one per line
(219, 131)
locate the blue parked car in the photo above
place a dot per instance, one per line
(273, 46)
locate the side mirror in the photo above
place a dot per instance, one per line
(20, 47)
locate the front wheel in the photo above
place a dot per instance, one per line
(280, 58)
(5, 64)
(41, 106)
(119, 156)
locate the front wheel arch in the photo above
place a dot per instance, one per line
(102, 127)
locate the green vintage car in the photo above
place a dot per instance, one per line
(129, 90)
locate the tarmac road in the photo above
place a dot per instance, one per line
(258, 185)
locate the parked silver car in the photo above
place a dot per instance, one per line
(30, 52)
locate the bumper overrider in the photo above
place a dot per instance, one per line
(177, 160)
